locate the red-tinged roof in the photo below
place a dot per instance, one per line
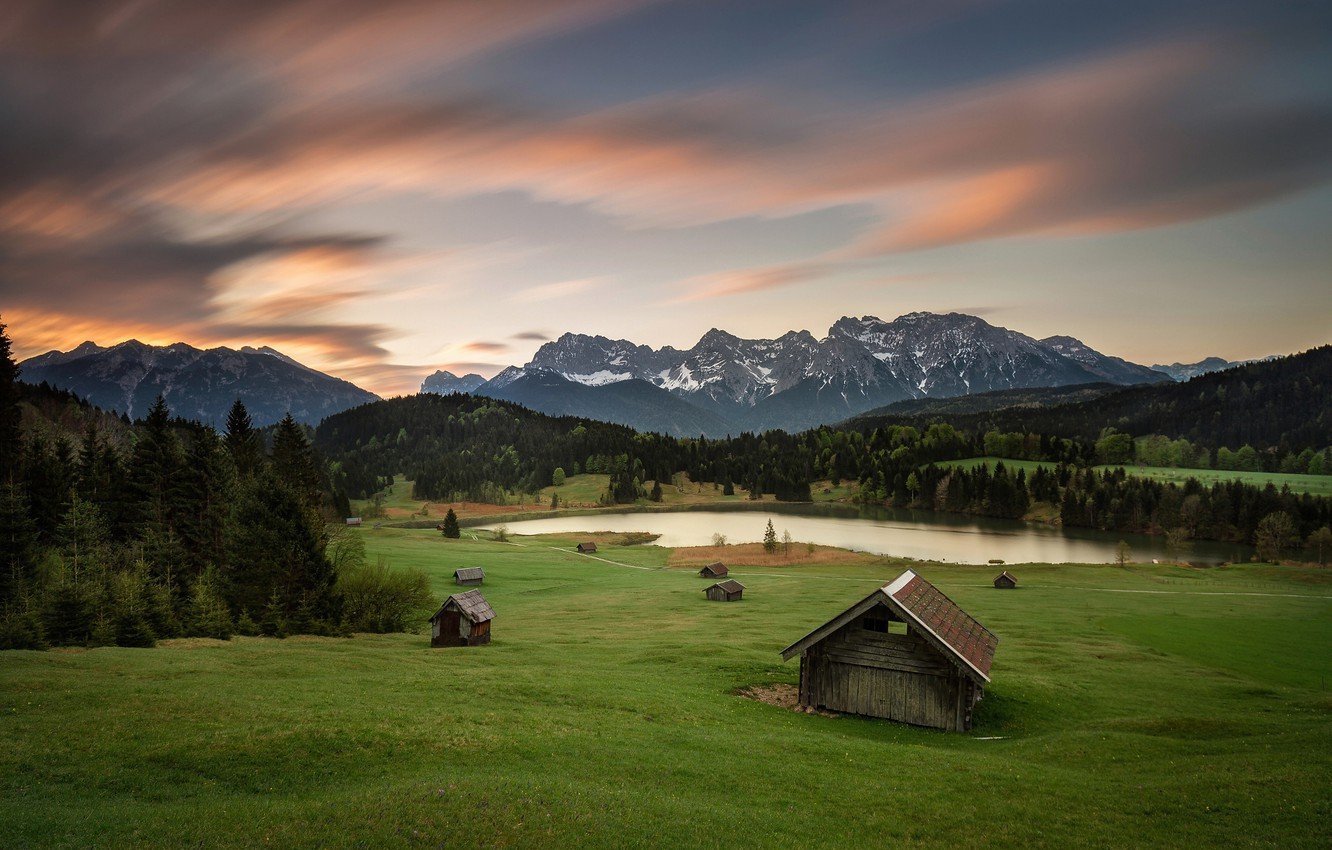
(953, 631)
(968, 639)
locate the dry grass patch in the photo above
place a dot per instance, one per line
(754, 555)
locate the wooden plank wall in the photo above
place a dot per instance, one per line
(900, 677)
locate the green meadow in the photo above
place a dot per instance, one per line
(1316, 485)
(1148, 705)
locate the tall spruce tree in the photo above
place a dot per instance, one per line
(243, 440)
(154, 472)
(205, 497)
(18, 544)
(10, 420)
(294, 461)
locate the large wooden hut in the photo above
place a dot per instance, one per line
(906, 652)
(725, 591)
(587, 548)
(1005, 581)
(469, 576)
(715, 570)
(463, 620)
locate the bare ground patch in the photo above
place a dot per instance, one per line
(754, 555)
(781, 695)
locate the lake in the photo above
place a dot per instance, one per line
(924, 535)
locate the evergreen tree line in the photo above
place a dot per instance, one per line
(168, 528)
(462, 447)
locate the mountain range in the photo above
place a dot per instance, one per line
(197, 383)
(726, 384)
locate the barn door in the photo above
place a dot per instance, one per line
(448, 627)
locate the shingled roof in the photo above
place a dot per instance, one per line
(469, 573)
(730, 586)
(952, 630)
(470, 604)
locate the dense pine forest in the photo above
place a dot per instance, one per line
(1278, 407)
(114, 532)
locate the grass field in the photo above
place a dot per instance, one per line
(1318, 485)
(1129, 707)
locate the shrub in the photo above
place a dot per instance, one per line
(379, 599)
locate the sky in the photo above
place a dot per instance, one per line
(383, 189)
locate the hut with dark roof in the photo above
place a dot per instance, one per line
(463, 620)
(906, 652)
(469, 576)
(725, 591)
(587, 548)
(1005, 581)
(716, 570)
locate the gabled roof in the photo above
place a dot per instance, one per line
(1006, 574)
(469, 573)
(717, 568)
(952, 631)
(730, 586)
(471, 605)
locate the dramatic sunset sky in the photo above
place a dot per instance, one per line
(385, 188)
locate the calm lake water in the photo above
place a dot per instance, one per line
(923, 535)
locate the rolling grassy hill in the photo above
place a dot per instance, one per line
(605, 714)
(1316, 485)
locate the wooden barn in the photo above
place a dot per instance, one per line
(1005, 581)
(468, 576)
(725, 591)
(906, 652)
(353, 520)
(717, 570)
(463, 620)
(587, 548)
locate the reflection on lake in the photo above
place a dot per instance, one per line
(923, 535)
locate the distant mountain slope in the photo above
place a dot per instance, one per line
(1185, 371)
(635, 403)
(1116, 370)
(197, 383)
(1284, 402)
(443, 382)
(797, 381)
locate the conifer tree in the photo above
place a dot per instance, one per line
(451, 529)
(243, 440)
(154, 471)
(18, 544)
(9, 411)
(205, 497)
(294, 461)
(770, 539)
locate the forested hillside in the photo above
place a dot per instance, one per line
(123, 533)
(1282, 405)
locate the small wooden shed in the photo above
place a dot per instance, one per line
(725, 591)
(587, 548)
(1005, 581)
(463, 620)
(717, 570)
(353, 520)
(469, 576)
(906, 652)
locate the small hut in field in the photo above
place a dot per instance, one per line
(717, 570)
(353, 520)
(725, 591)
(463, 620)
(1005, 581)
(469, 576)
(587, 548)
(906, 652)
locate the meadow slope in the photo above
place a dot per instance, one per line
(1148, 705)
